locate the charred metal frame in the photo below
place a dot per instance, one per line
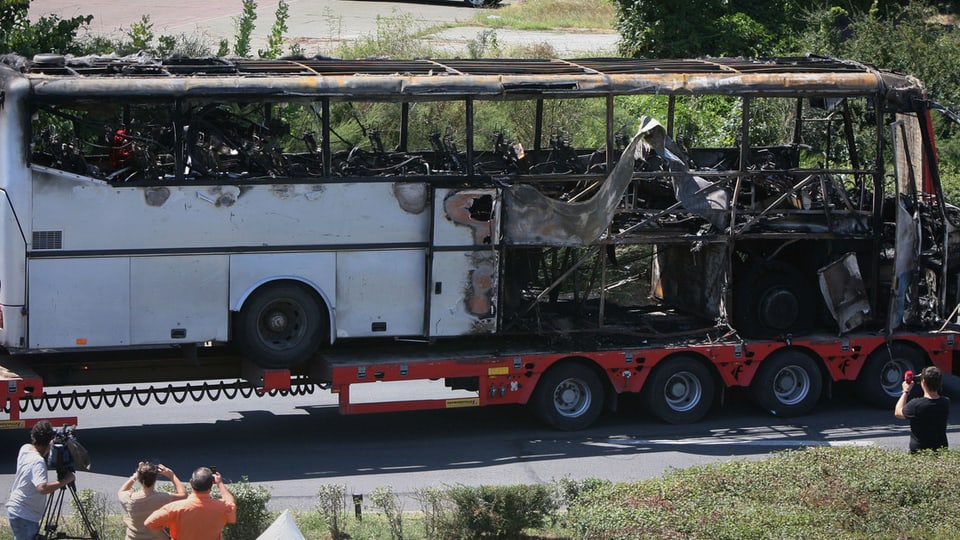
(758, 230)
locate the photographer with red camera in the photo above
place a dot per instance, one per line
(928, 414)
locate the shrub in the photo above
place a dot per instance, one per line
(435, 507)
(331, 503)
(500, 511)
(387, 502)
(252, 514)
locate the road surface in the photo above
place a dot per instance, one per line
(294, 445)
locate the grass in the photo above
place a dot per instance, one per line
(550, 15)
(855, 493)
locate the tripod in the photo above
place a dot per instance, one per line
(54, 510)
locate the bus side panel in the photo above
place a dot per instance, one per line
(95, 216)
(380, 293)
(79, 302)
(178, 299)
(12, 285)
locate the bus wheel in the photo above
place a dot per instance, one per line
(879, 382)
(774, 299)
(789, 383)
(569, 397)
(679, 391)
(280, 326)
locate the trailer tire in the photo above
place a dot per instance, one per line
(679, 390)
(879, 383)
(789, 383)
(280, 326)
(569, 397)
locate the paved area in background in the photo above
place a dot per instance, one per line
(317, 25)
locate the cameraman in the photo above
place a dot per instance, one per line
(27, 500)
(928, 414)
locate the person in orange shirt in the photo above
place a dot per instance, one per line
(199, 516)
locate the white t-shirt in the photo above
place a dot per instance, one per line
(25, 502)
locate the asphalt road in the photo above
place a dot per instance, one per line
(317, 25)
(293, 445)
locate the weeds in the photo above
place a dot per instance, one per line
(387, 502)
(331, 503)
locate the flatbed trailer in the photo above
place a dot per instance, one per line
(568, 384)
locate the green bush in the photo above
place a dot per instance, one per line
(331, 503)
(500, 511)
(252, 514)
(830, 493)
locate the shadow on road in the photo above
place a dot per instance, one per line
(324, 444)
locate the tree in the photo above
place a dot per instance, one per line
(49, 33)
(692, 28)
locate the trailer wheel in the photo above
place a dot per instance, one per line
(789, 383)
(879, 383)
(569, 397)
(280, 326)
(679, 391)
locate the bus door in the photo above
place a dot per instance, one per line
(463, 262)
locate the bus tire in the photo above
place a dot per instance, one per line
(569, 397)
(679, 390)
(789, 383)
(774, 299)
(879, 383)
(280, 326)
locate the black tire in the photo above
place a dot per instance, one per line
(789, 383)
(569, 397)
(280, 326)
(879, 383)
(679, 391)
(774, 300)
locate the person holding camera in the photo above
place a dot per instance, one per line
(199, 516)
(28, 494)
(928, 414)
(140, 504)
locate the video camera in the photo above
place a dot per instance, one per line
(910, 377)
(66, 453)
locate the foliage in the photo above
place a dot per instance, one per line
(387, 502)
(95, 507)
(550, 15)
(252, 514)
(693, 28)
(397, 36)
(434, 507)
(331, 504)
(245, 25)
(812, 493)
(48, 34)
(500, 511)
(277, 31)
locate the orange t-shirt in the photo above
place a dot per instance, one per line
(198, 517)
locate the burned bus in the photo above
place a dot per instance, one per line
(287, 205)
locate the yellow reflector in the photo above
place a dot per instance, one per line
(498, 371)
(463, 402)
